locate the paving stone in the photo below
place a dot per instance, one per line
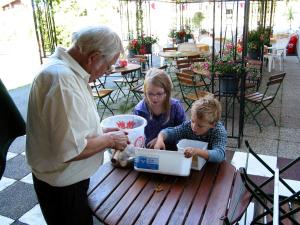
(17, 199)
(33, 216)
(290, 121)
(290, 134)
(17, 222)
(18, 145)
(17, 168)
(288, 149)
(261, 146)
(270, 132)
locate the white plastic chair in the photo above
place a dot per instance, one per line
(273, 55)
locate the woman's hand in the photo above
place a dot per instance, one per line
(110, 129)
(151, 143)
(118, 140)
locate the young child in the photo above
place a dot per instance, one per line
(203, 126)
(158, 108)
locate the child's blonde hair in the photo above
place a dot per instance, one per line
(207, 108)
(160, 79)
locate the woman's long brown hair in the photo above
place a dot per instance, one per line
(160, 79)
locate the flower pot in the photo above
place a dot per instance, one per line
(132, 52)
(179, 40)
(253, 55)
(229, 84)
(148, 49)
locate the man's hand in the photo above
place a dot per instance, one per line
(110, 129)
(118, 139)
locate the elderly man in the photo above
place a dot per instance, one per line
(65, 143)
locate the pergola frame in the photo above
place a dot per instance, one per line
(44, 24)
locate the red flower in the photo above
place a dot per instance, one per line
(143, 49)
(121, 124)
(130, 124)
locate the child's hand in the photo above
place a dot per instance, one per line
(152, 143)
(189, 152)
(159, 144)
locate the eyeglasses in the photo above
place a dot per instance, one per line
(108, 65)
(158, 95)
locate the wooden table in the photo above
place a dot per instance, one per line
(128, 68)
(203, 47)
(128, 77)
(125, 196)
(177, 54)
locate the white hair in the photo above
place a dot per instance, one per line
(98, 38)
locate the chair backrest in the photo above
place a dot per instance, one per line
(263, 194)
(169, 49)
(196, 58)
(187, 47)
(187, 84)
(164, 67)
(183, 64)
(12, 124)
(275, 81)
(240, 199)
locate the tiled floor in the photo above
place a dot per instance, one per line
(18, 202)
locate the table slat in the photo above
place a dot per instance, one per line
(197, 209)
(240, 198)
(186, 199)
(148, 213)
(218, 200)
(115, 197)
(97, 178)
(170, 202)
(115, 215)
(140, 202)
(106, 188)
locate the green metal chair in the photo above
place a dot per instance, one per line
(289, 206)
(260, 101)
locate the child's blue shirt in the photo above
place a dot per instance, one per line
(215, 137)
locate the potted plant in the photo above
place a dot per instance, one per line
(197, 21)
(146, 44)
(133, 47)
(256, 39)
(141, 45)
(180, 36)
(229, 72)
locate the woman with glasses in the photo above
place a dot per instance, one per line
(158, 108)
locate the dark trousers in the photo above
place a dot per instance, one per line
(64, 205)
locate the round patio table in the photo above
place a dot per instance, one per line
(128, 68)
(177, 54)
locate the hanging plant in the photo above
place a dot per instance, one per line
(139, 18)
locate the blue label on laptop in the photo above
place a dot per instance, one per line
(144, 162)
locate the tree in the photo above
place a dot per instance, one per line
(290, 16)
(197, 21)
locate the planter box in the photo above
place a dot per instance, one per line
(229, 84)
